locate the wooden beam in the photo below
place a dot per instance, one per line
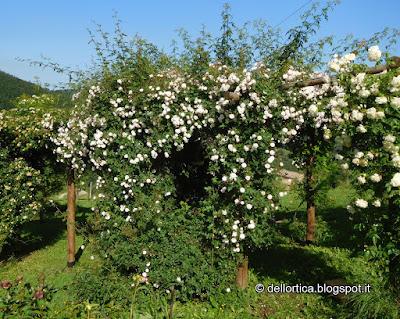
(231, 96)
(234, 97)
(373, 70)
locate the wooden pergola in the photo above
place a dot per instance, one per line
(241, 277)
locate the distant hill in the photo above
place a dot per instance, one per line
(12, 87)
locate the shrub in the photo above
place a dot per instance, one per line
(19, 199)
(156, 135)
(28, 169)
(17, 299)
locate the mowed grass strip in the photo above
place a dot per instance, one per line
(46, 250)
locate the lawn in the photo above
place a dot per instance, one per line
(289, 261)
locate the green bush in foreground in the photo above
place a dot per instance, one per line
(22, 300)
(19, 202)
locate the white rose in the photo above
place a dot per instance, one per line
(313, 110)
(396, 161)
(364, 93)
(377, 203)
(381, 100)
(361, 203)
(334, 66)
(395, 182)
(380, 115)
(356, 115)
(339, 157)
(371, 113)
(376, 178)
(374, 53)
(350, 209)
(361, 129)
(395, 101)
(390, 138)
(361, 179)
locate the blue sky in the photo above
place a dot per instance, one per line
(58, 29)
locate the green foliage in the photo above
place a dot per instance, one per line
(371, 135)
(100, 287)
(28, 167)
(184, 147)
(157, 135)
(379, 303)
(19, 201)
(169, 251)
(11, 87)
(19, 300)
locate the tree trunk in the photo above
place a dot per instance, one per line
(71, 218)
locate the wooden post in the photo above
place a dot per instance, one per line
(90, 190)
(310, 191)
(172, 302)
(310, 237)
(71, 218)
(241, 277)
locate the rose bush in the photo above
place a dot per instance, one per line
(29, 170)
(148, 139)
(368, 146)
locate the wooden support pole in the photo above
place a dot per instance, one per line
(310, 190)
(172, 302)
(241, 277)
(310, 237)
(71, 218)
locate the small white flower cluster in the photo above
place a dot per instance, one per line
(373, 114)
(292, 75)
(146, 272)
(395, 181)
(395, 101)
(362, 159)
(47, 121)
(395, 84)
(390, 147)
(361, 203)
(359, 86)
(322, 104)
(341, 65)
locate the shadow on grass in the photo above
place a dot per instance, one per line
(293, 265)
(36, 235)
(333, 228)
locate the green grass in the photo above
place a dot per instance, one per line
(333, 256)
(46, 251)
